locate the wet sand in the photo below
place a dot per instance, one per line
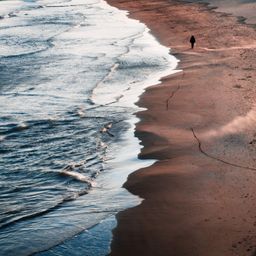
(201, 127)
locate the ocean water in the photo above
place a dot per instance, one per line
(70, 73)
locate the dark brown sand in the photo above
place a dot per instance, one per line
(200, 196)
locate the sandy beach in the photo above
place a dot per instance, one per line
(200, 126)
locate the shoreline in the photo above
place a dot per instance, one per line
(79, 214)
(198, 196)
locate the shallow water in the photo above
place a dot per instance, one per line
(70, 72)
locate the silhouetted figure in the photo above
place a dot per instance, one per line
(192, 41)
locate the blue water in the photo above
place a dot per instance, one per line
(71, 71)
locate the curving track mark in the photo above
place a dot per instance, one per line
(171, 96)
(173, 93)
(215, 158)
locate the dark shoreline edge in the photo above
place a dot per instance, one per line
(180, 56)
(173, 51)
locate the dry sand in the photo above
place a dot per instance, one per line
(201, 127)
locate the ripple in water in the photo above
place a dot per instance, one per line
(70, 74)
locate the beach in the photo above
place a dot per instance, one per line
(199, 196)
(67, 124)
(82, 109)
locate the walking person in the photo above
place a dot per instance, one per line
(192, 41)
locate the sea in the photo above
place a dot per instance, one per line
(71, 72)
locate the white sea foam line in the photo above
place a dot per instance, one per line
(152, 46)
(132, 147)
(7, 7)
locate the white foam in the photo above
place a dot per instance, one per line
(143, 64)
(133, 70)
(76, 175)
(7, 7)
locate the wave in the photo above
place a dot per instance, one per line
(76, 132)
(12, 128)
(13, 12)
(138, 64)
(23, 54)
(68, 171)
(4, 223)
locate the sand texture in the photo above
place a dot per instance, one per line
(201, 127)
